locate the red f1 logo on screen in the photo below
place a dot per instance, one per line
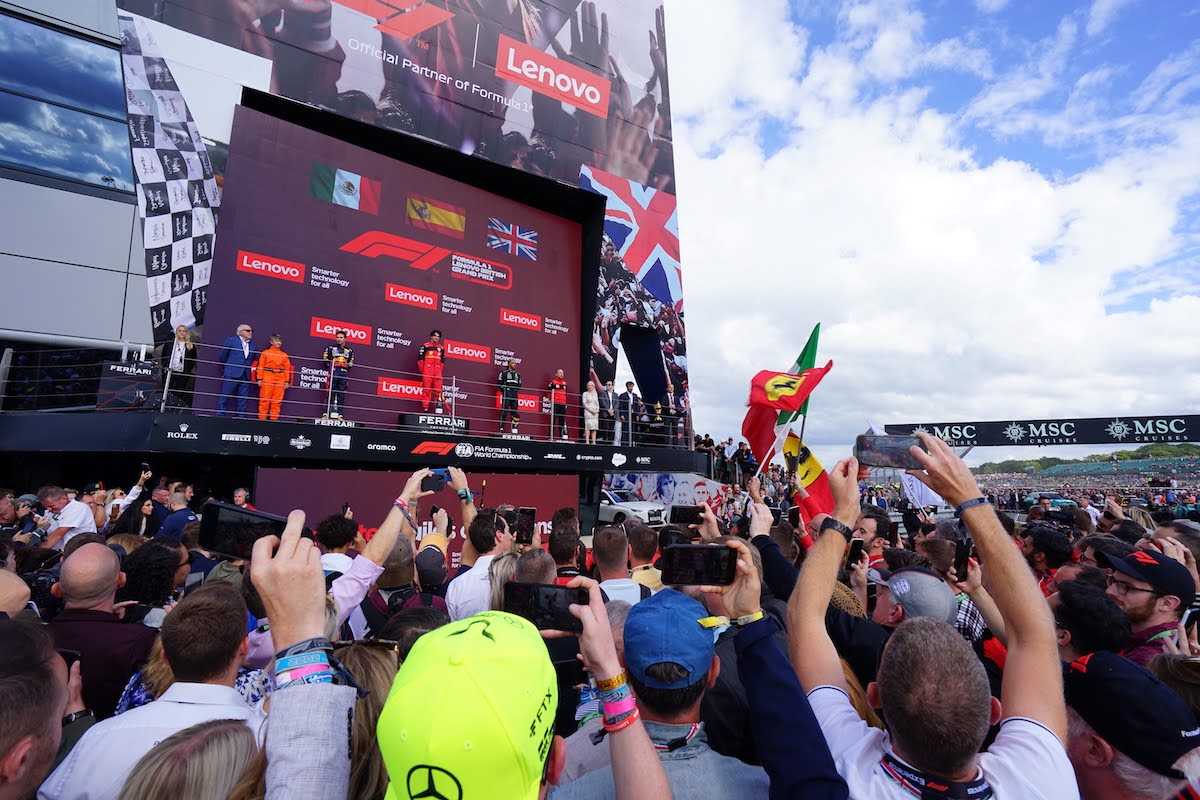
(403, 19)
(468, 352)
(374, 244)
(434, 448)
(520, 319)
(322, 328)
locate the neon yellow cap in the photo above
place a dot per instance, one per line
(471, 713)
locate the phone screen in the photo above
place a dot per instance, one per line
(232, 531)
(794, 517)
(699, 565)
(545, 605)
(523, 530)
(887, 451)
(962, 555)
(685, 515)
(854, 551)
(776, 515)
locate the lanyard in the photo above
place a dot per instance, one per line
(928, 788)
(675, 744)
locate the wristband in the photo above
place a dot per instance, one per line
(324, 676)
(616, 711)
(963, 506)
(746, 620)
(399, 503)
(318, 657)
(464, 495)
(616, 695)
(623, 724)
(838, 526)
(287, 676)
(608, 684)
(316, 643)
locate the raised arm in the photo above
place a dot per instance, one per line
(813, 655)
(1032, 686)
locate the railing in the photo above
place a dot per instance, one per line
(374, 396)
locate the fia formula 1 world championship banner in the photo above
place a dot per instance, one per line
(1096, 430)
(334, 237)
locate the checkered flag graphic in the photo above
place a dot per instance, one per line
(176, 191)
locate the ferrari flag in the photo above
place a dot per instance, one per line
(782, 390)
(809, 472)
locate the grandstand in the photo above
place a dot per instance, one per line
(1141, 466)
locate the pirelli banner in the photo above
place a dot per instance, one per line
(1097, 430)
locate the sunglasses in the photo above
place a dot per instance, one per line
(389, 645)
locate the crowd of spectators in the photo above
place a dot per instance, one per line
(953, 658)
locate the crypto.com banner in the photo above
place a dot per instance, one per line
(334, 237)
(1096, 430)
(320, 493)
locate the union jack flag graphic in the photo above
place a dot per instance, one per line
(512, 239)
(644, 226)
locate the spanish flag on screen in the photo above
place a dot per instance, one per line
(344, 188)
(434, 215)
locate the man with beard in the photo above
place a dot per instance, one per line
(1153, 590)
(1045, 549)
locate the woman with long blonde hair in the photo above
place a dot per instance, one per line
(202, 762)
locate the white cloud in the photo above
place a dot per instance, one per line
(991, 6)
(1102, 13)
(947, 287)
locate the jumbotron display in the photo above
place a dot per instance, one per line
(319, 236)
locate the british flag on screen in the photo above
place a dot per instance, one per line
(512, 239)
(644, 225)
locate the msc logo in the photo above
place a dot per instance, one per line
(270, 267)
(434, 448)
(374, 244)
(519, 319)
(403, 19)
(322, 328)
(468, 352)
(411, 297)
(390, 387)
(782, 386)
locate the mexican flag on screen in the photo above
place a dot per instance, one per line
(344, 188)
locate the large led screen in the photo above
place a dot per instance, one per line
(318, 235)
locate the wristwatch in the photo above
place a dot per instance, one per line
(837, 526)
(77, 715)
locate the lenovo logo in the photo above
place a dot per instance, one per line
(270, 267)
(411, 297)
(322, 328)
(374, 244)
(519, 319)
(525, 402)
(392, 387)
(553, 77)
(468, 352)
(433, 448)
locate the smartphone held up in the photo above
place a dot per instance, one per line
(887, 451)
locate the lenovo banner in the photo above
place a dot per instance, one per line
(1096, 430)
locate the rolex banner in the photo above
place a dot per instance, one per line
(176, 190)
(1131, 431)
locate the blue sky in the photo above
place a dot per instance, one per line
(993, 207)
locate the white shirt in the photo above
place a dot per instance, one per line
(1094, 513)
(176, 364)
(100, 763)
(340, 562)
(622, 589)
(1026, 762)
(76, 516)
(471, 592)
(245, 347)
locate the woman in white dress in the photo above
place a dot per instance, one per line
(591, 413)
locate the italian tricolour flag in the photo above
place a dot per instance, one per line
(344, 188)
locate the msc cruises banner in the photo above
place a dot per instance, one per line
(1096, 430)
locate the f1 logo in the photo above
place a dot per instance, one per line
(374, 244)
(434, 448)
(401, 18)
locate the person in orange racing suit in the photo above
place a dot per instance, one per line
(430, 361)
(273, 373)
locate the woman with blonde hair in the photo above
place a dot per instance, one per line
(501, 571)
(202, 762)
(178, 361)
(127, 541)
(373, 663)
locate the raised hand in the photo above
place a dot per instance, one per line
(944, 472)
(744, 595)
(287, 574)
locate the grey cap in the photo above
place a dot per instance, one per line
(921, 593)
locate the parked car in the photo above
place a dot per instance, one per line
(618, 505)
(1056, 500)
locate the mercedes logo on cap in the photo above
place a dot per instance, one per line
(435, 783)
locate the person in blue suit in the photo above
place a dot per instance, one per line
(237, 354)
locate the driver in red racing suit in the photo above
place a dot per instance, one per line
(430, 361)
